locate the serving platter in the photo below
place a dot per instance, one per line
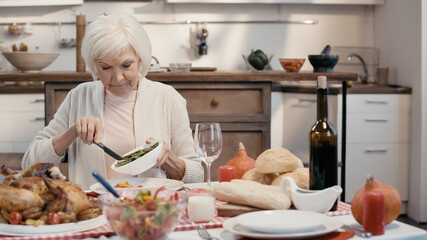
(329, 225)
(146, 183)
(28, 230)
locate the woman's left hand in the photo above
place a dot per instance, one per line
(173, 166)
(164, 154)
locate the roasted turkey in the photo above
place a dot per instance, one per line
(42, 188)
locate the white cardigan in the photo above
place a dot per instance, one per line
(160, 112)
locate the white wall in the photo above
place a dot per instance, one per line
(400, 33)
(339, 25)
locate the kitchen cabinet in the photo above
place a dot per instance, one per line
(378, 137)
(241, 108)
(21, 117)
(378, 127)
(240, 101)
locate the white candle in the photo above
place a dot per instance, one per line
(201, 208)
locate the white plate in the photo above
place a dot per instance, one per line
(27, 230)
(281, 221)
(328, 226)
(146, 183)
(141, 164)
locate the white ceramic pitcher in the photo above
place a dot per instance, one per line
(319, 201)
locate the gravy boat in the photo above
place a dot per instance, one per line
(320, 201)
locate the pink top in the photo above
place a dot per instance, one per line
(118, 127)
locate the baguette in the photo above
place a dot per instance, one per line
(252, 194)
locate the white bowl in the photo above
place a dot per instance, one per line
(180, 67)
(30, 61)
(141, 164)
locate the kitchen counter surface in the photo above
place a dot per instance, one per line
(302, 82)
(336, 88)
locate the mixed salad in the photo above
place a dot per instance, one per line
(146, 216)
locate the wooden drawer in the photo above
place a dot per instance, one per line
(363, 159)
(226, 102)
(21, 102)
(377, 127)
(255, 137)
(376, 103)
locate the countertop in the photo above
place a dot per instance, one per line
(302, 82)
(336, 88)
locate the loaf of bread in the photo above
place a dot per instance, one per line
(279, 160)
(300, 176)
(262, 178)
(252, 194)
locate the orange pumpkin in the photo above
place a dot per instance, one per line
(392, 202)
(242, 162)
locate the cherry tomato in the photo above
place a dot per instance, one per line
(53, 218)
(15, 218)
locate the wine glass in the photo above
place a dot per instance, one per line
(208, 144)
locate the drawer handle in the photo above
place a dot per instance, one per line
(375, 120)
(307, 100)
(376, 150)
(376, 101)
(38, 101)
(38, 119)
(214, 101)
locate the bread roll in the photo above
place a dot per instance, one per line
(300, 176)
(253, 175)
(253, 194)
(279, 160)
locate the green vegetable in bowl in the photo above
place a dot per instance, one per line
(135, 155)
(258, 59)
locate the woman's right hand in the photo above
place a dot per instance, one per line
(89, 129)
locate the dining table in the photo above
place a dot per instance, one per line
(187, 231)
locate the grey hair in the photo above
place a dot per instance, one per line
(109, 35)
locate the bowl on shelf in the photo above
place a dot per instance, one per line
(323, 62)
(252, 69)
(292, 64)
(30, 61)
(180, 67)
(139, 216)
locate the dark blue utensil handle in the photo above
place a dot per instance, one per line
(105, 183)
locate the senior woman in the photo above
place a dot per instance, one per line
(121, 109)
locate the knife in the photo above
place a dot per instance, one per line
(109, 151)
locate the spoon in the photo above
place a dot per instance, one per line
(105, 184)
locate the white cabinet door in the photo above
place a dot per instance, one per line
(21, 118)
(387, 162)
(293, 119)
(374, 127)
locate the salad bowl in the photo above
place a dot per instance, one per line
(144, 215)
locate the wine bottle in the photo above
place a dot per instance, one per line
(323, 163)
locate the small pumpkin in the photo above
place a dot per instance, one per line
(392, 201)
(242, 162)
